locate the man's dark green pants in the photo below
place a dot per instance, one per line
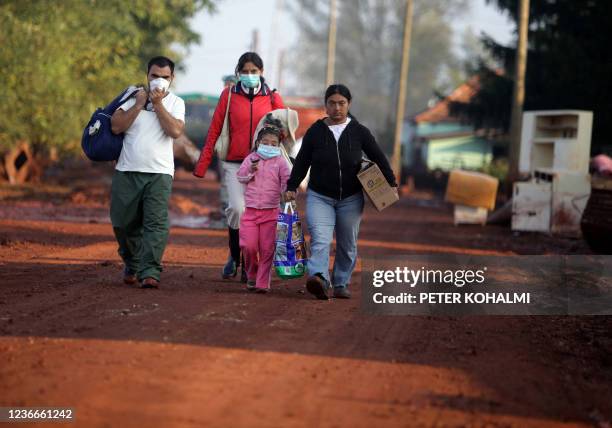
(139, 213)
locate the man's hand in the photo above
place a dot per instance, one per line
(290, 196)
(172, 127)
(156, 96)
(141, 98)
(122, 120)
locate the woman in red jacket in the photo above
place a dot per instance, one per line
(251, 100)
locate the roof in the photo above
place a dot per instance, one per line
(309, 109)
(307, 117)
(306, 102)
(440, 112)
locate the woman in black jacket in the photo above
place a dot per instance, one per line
(332, 149)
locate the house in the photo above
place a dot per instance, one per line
(309, 109)
(437, 141)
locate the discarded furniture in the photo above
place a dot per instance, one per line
(553, 201)
(555, 150)
(556, 139)
(473, 194)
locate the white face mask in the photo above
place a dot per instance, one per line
(160, 83)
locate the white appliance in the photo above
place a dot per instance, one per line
(553, 201)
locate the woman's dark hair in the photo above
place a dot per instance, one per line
(249, 57)
(340, 89)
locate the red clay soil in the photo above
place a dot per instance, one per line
(203, 352)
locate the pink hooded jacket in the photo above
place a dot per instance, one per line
(264, 186)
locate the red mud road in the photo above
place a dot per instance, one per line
(202, 352)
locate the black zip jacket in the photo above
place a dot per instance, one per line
(334, 167)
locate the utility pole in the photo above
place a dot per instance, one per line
(255, 41)
(281, 66)
(518, 96)
(401, 97)
(331, 44)
(274, 46)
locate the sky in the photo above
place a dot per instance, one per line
(228, 33)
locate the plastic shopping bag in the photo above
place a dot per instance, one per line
(290, 255)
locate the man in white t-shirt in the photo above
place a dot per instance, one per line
(142, 181)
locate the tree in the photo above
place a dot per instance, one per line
(164, 25)
(59, 63)
(368, 53)
(568, 67)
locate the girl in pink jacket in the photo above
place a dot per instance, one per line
(265, 173)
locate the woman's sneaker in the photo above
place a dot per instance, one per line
(317, 285)
(342, 293)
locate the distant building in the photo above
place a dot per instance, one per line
(437, 141)
(310, 109)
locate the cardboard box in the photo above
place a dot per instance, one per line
(473, 189)
(376, 187)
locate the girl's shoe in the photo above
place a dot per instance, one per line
(262, 290)
(251, 285)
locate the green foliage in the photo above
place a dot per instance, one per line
(497, 168)
(164, 25)
(568, 67)
(60, 60)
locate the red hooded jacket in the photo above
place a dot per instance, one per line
(244, 115)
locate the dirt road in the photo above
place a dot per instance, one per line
(203, 352)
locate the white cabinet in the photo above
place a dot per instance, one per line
(556, 139)
(552, 202)
(531, 205)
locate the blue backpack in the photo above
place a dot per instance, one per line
(98, 141)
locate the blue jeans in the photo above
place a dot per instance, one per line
(325, 214)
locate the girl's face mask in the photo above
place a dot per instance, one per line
(268, 152)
